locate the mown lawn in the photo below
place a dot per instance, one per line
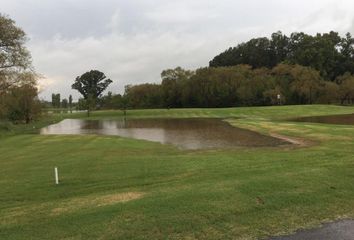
(117, 188)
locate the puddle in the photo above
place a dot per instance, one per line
(347, 119)
(184, 133)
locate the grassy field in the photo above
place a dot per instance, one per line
(117, 188)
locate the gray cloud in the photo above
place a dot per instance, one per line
(133, 41)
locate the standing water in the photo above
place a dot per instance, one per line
(346, 119)
(184, 133)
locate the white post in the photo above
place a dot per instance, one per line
(56, 175)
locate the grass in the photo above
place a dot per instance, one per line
(118, 188)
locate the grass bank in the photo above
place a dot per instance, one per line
(117, 188)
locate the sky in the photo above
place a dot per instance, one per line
(133, 41)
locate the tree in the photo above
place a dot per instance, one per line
(106, 101)
(91, 85)
(21, 100)
(81, 104)
(327, 53)
(346, 88)
(274, 96)
(144, 95)
(64, 103)
(56, 100)
(14, 57)
(306, 83)
(71, 103)
(329, 93)
(172, 84)
(53, 100)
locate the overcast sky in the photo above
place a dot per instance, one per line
(132, 41)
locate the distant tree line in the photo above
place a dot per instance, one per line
(295, 69)
(328, 53)
(234, 86)
(299, 69)
(64, 103)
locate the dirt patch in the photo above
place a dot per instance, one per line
(95, 201)
(295, 141)
(23, 214)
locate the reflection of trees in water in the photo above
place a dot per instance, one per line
(186, 133)
(179, 124)
(207, 131)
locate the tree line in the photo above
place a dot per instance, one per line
(234, 86)
(300, 69)
(328, 53)
(295, 69)
(64, 103)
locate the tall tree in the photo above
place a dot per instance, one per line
(346, 88)
(64, 103)
(172, 84)
(56, 100)
(91, 85)
(14, 57)
(22, 101)
(71, 103)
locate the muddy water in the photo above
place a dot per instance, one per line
(347, 119)
(184, 133)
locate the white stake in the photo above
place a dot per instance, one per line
(56, 175)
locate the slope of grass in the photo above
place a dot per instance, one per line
(117, 188)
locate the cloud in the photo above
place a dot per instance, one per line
(125, 59)
(183, 12)
(133, 41)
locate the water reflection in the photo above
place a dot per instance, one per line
(346, 119)
(184, 133)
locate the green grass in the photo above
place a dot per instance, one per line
(204, 194)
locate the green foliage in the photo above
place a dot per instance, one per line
(81, 104)
(112, 101)
(328, 53)
(64, 103)
(91, 85)
(144, 96)
(23, 105)
(174, 89)
(18, 92)
(56, 100)
(70, 103)
(20, 103)
(239, 85)
(346, 88)
(14, 57)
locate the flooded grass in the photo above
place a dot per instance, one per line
(346, 119)
(190, 133)
(123, 188)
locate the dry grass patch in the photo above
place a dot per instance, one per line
(296, 141)
(17, 215)
(95, 201)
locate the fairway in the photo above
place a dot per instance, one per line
(120, 188)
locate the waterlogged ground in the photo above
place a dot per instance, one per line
(346, 119)
(196, 133)
(123, 188)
